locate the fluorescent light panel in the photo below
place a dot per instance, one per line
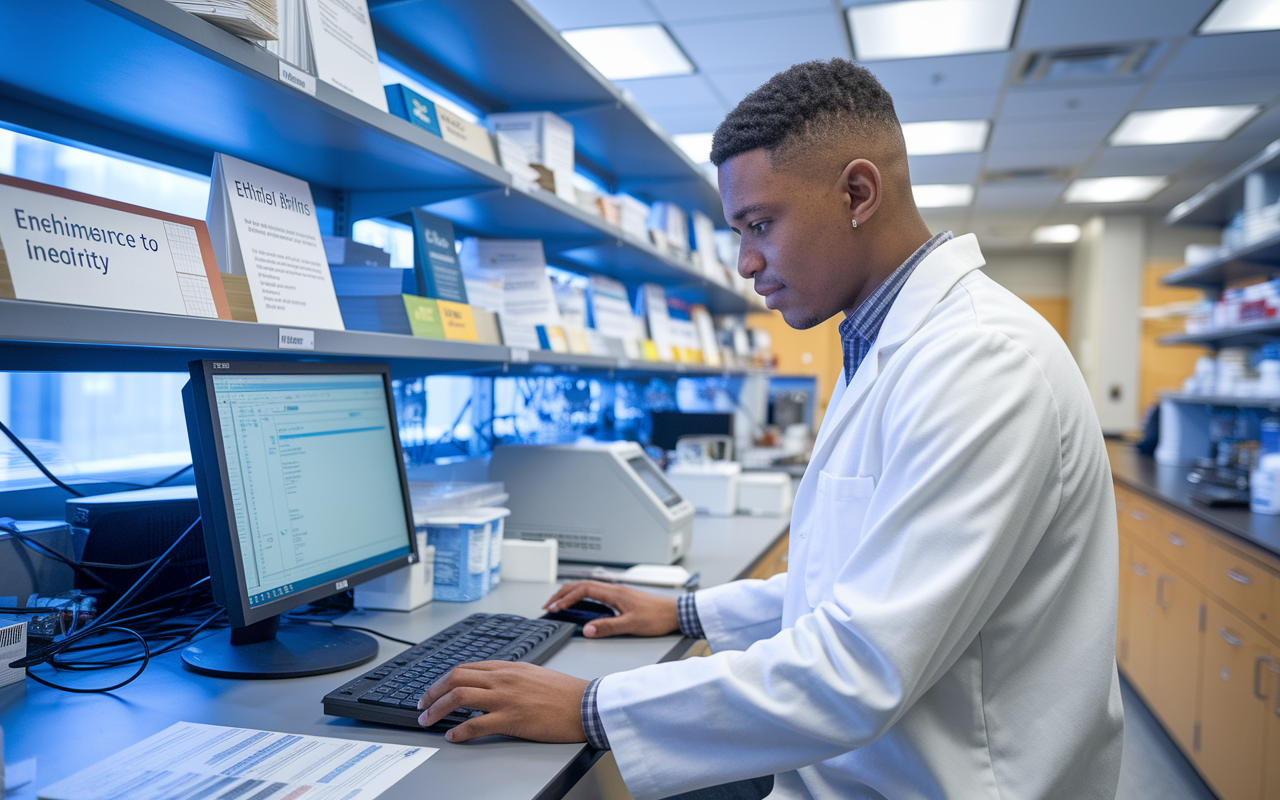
(1239, 16)
(696, 146)
(942, 195)
(1055, 234)
(627, 52)
(1124, 189)
(921, 28)
(946, 136)
(1179, 125)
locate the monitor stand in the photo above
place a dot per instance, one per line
(265, 650)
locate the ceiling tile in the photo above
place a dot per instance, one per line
(944, 75)
(926, 107)
(1000, 159)
(568, 14)
(1178, 93)
(1160, 159)
(674, 92)
(1019, 195)
(1262, 129)
(682, 10)
(689, 119)
(960, 168)
(1025, 135)
(1234, 52)
(1025, 102)
(763, 41)
(1054, 23)
(737, 84)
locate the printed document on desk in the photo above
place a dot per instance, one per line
(190, 760)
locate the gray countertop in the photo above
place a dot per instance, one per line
(67, 732)
(1169, 485)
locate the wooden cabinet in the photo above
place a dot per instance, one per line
(1199, 637)
(1234, 708)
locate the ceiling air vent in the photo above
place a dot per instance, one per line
(1085, 64)
(1023, 175)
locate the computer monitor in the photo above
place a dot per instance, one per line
(302, 495)
(669, 426)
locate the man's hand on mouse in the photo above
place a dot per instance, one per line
(639, 613)
(520, 699)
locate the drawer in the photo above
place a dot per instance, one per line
(1141, 519)
(1241, 583)
(1183, 544)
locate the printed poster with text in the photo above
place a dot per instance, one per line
(60, 246)
(263, 225)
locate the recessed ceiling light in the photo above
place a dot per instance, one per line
(946, 136)
(1126, 189)
(942, 195)
(1238, 16)
(1055, 234)
(626, 52)
(1178, 125)
(696, 146)
(920, 28)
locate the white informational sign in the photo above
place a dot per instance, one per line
(188, 759)
(527, 297)
(342, 37)
(59, 246)
(263, 225)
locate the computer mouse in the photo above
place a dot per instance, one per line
(581, 612)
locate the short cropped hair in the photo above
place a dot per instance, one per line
(817, 102)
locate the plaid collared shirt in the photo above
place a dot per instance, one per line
(859, 330)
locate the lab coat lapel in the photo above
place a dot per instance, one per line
(929, 283)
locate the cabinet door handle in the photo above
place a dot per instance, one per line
(1257, 676)
(1160, 590)
(1239, 577)
(1274, 666)
(1140, 569)
(1231, 640)
(1174, 539)
(1138, 515)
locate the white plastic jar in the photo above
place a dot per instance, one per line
(1264, 486)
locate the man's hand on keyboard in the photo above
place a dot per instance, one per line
(520, 699)
(639, 612)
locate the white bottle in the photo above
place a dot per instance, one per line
(1264, 486)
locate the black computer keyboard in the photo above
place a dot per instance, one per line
(389, 692)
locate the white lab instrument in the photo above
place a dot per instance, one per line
(712, 486)
(530, 562)
(604, 502)
(764, 494)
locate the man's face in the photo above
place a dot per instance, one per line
(797, 241)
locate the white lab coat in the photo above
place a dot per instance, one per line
(946, 628)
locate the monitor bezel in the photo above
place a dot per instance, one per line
(222, 543)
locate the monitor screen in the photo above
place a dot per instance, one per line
(647, 472)
(312, 477)
(669, 426)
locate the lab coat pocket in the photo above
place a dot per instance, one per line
(835, 529)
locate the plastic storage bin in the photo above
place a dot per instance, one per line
(463, 541)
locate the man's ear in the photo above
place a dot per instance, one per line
(860, 184)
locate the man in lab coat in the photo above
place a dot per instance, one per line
(946, 626)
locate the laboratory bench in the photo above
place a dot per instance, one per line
(68, 732)
(1198, 633)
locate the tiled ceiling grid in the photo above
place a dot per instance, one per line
(1053, 133)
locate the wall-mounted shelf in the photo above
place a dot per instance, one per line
(1216, 203)
(1236, 335)
(1258, 259)
(1221, 400)
(41, 337)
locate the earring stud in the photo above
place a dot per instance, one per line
(855, 223)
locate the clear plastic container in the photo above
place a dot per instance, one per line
(437, 499)
(463, 541)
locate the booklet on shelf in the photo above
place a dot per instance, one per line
(466, 134)
(547, 139)
(653, 307)
(706, 328)
(527, 299)
(408, 105)
(251, 19)
(345, 55)
(60, 246)
(610, 311)
(266, 238)
(435, 268)
(441, 319)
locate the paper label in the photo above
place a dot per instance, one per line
(467, 135)
(296, 78)
(345, 54)
(458, 323)
(478, 549)
(273, 237)
(424, 316)
(59, 246)
(297, 339)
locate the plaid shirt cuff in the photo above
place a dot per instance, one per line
(592, 725)
(687, 617)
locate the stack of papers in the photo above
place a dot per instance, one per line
(252, 19)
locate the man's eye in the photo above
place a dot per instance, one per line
(758, 227)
